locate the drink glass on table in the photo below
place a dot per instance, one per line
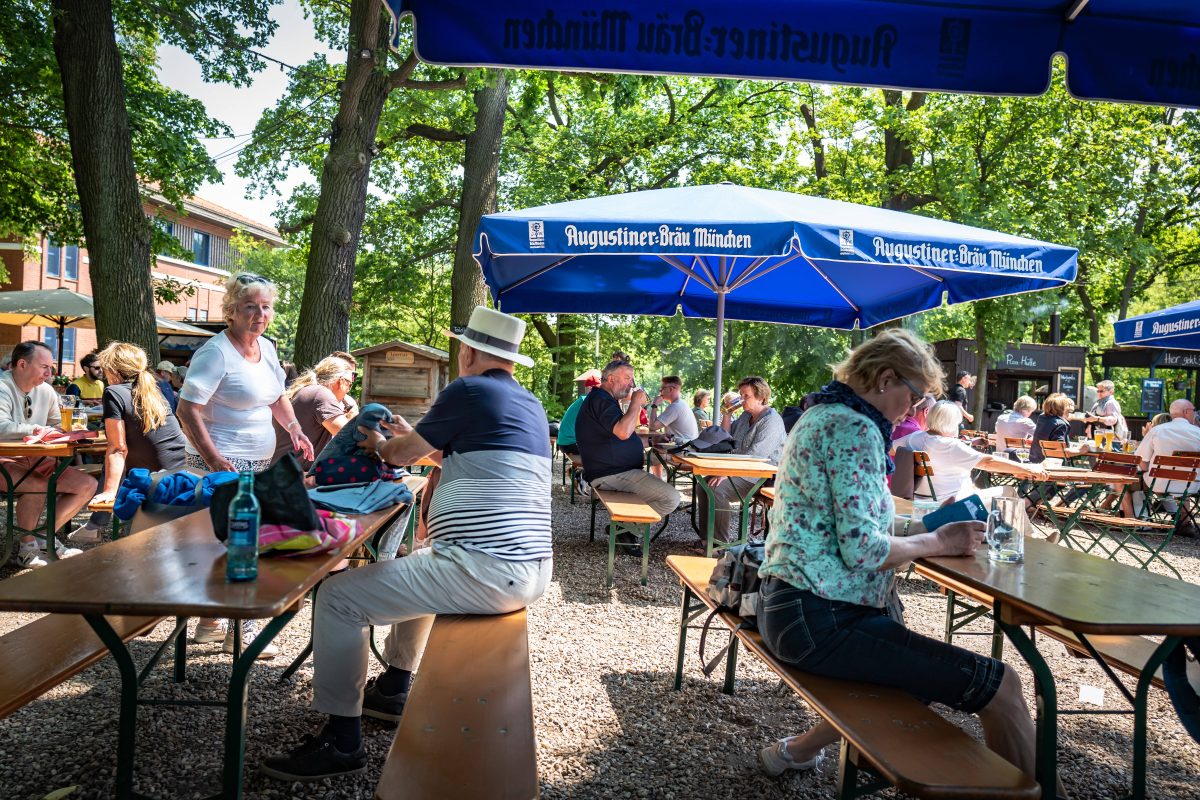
(1006, 528)
(66, 410)
(922, 506)
(241, 546)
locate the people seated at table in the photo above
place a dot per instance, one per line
(953, 459)
(89, 385)
(701, 401)
(1179, 435)
(28, 405)
(318, 398)
(834, 544)
(489, 546)
(1052, 425)
(233, 390)
(610, 448)
(1015, 426)
(139, 426)
(671, 414)
(916, 418)
(1161, 418)
(757, 431)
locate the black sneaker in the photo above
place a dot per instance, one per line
(314, 759)
(376, 704)
(628, 544)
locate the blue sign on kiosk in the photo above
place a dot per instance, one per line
(1152, 395)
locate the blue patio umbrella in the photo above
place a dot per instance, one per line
(1177, 327)
(734, 252)
(1124, 50)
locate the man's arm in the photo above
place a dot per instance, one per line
(406, 447)
(628, 422)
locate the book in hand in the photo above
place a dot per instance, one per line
(965, 510)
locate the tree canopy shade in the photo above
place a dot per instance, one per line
(1124, 50)
(1177, 327)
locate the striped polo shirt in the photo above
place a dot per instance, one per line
(494, 493)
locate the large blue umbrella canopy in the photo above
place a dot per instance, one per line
(1177, 327)
(734, 252)
(1122, 50)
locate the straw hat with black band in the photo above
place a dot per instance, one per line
(496, 334)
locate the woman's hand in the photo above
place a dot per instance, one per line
(1035, 470)
(959, 538)
(301, 443)
(220, 464)
(374, 440)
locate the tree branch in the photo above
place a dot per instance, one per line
(401, 73)
(548, 334)
(552, 101)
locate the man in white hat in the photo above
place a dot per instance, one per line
(166, 371)
(489, 545)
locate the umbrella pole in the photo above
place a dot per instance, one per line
(720, 352)
(61, 327)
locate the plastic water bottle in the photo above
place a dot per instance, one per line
(241, 548)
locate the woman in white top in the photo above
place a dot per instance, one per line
(234, 387)
(952, 459)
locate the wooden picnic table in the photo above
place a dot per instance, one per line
(177, 569)
(1085, 595)
(701, 466)
(63, 453)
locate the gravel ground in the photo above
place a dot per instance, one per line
(608, 724)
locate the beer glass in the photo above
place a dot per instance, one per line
(1006, 528)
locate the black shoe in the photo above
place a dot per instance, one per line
(387, 707)
(315, 758)
(629, 545)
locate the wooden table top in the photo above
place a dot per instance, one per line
(903, 505)
(1060, 475)
(175, 569)
(1084, 593)
(727, 467)
(63, 450)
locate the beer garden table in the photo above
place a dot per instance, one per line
(758, 470)
(62, 454)
(177, 569)
(1086, 595)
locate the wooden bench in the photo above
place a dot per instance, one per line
(467, 728)
(627, 513)
(884, 730)
(1128, 654)
(42, 654)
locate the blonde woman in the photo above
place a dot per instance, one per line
(321, 399)
(142, 430)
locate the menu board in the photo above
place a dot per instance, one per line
(1068, 382)
(1152, 395)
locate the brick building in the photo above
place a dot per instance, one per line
(205, 229)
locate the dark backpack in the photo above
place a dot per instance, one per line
(711, 440)
(734, 586)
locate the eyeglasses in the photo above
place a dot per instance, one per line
(917, 396)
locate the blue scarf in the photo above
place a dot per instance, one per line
(839, 393)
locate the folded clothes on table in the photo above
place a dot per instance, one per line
(361, 498)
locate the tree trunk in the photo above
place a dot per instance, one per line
(481, 163)
(568, 364)
(898, 155)
(117, 231)
(324, 324)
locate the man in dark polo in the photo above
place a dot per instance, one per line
(611, 451)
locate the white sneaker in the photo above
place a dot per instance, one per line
(774, 760)
(85, 534)
(250, 630)
(204, 634)
(32, 556)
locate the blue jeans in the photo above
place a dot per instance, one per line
(861, 643)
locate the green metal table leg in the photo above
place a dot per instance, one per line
(1141, 713)
(710, 517)
(180, 671)
(731, 664)
(744, 519)
(127, 725)
(1046, 741)
(645, 553)
(236, 710)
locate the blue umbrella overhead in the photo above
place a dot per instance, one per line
(1123, 50)
(734, 252)
(1177, 327)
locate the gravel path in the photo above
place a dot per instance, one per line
(608, 724)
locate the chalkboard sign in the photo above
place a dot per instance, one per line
(1152, 395)
(1068, 382)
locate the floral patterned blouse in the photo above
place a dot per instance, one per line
(832, 517)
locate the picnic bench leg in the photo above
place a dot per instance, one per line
(236, 707)
(592, 532)
(1141, 714)
(127, 725)
(51, 541)
(685, 617)
(1046, 698)
(181, 651)
(612, 551)
(10, 528)
(731, 664)
(645, 553)
(744, 517)
(710, 517)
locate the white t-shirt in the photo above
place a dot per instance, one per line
(1172, 437)
(952, 461)
(236, 395)
(680, 421)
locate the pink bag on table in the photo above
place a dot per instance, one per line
(284, 540)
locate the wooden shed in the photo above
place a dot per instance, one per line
(404, 377)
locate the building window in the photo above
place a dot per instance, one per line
(201, 243)
(204, 315)
(164, 230)
(50, 337)
(70, 269)
(53, 259)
